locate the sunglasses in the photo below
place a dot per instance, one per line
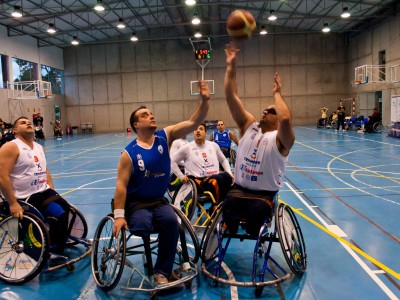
(269, 111)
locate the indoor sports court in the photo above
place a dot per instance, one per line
(77, 70)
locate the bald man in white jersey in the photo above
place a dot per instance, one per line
(262, 154)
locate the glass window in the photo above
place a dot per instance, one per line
(23, 70)
(3, 71)
(56, 77)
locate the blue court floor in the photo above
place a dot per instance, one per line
(344, 188)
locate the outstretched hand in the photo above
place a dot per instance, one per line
(277, 86)
(204, 90)
(231, 53)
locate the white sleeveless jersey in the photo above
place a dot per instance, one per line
(259, 164)
(29, 173)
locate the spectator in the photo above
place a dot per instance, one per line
(341, 114)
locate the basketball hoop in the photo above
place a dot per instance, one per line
(49, 96)
(355, 83)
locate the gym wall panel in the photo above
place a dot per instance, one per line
(218, 75)
(314, 79)
(101, 117)
(85, 90)
(129, 87)
(252, 81)
(313, 48)
(298, 46)
(254, 106)
(176, 84)
(100, 89)
(98, 55)
(160, 112)
(114, 88)
(113, 60)
(160, 86)
(329, 79)
(267, 50)
(73, 115)
(158, 55)
(143, 60)
(189, 75)
(251, 53)
(128, 108)
(116, 117)
(266, 80)
(71, 91)
(376, 47)
(70, 62)
(298, 83)
(128, 57)
(282, 49)
(175, 111)
(86, 113)
(144, 83)
(84, 61)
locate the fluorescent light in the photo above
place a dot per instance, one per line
(195, 20)
(190, 2)
(134, 38)
(17, 12)
(263, 31)
(99, 6)
(345, 14)
(198, 34)
(51, 29)
(272, 16)
(121, 24)
(75, 41)
(326, 28)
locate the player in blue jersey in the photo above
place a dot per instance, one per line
(143, 175)
(224, 137)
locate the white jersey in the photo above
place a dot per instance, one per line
(176, 145)
(200, 160)
(29, 173)
(259, 164)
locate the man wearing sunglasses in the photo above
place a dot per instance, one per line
(262, 154)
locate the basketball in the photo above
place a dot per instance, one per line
(240, 24)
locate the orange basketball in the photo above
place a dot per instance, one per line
(240, 24)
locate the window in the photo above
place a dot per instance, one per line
(3, 71)
(382, 63)
(56, 77)
(23, 70)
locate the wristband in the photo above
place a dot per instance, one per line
(119, 213)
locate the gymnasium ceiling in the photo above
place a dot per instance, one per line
(171, 19)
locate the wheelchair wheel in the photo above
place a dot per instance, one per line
(233, 157)
(377, 127)
(291, 239)
(185, 198)
(108, 255)
(79, 227)
(188, 238)
(24, 248)
(209, 243)
(173, 185)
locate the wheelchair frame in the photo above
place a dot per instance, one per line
(110, 256)
(290, 239)
(28, 250)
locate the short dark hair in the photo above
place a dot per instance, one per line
(135, 118)
(204, 125)
(16, 121)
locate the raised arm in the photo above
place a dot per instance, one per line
(285, 137)
(184, 128)
(241, 116)
(233, 137)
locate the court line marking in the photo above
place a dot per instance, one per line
(350, 248)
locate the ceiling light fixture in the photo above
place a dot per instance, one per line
(51, 28)
(195, 20)
(263, 31)
(134, 38)
(121, 24)
(190, 2)
(345, 13)
(198, 34)
(75, 41)
(272, 16)
(99, 6)
(326, 28)
(17, 12)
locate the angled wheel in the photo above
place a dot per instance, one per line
(24, 248)
(77, 225)
(209, 243)
(185, 198)
(173, 185)
(233, 157)
(108, 255)
(291, 239)
(377, 127)
(188, 238)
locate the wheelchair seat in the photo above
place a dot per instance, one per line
(26, 248)
(111, 255)
(285, 231)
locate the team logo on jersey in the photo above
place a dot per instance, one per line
(204, 155)
(36, 159)
(160, 149)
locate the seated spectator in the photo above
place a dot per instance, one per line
(57, 129)
(375, 117)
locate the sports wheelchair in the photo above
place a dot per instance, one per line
(285, 230)
(110, 255)
(197, 207)
(25, 248)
